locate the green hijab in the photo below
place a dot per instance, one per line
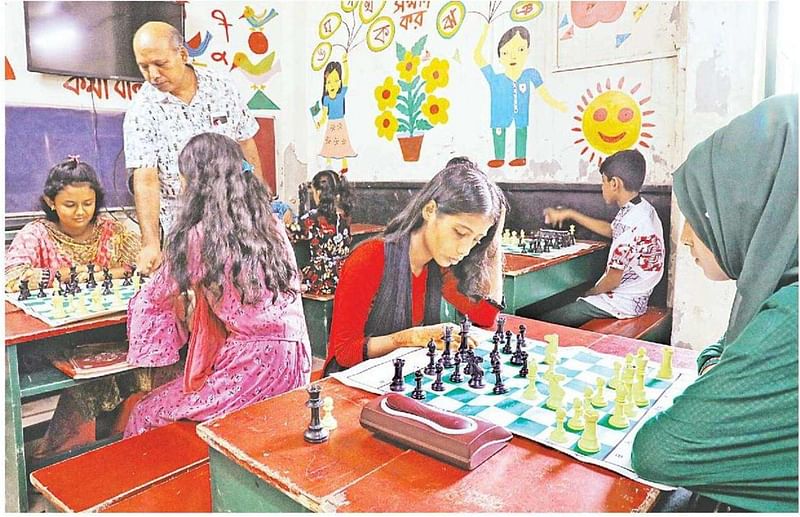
(738, 190)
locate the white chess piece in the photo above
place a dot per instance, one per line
(328, 422)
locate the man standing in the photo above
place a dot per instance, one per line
(176, 103)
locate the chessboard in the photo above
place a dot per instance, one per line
(545, 243)
(525, 407)
(86, 304)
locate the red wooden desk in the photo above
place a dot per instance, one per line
(260, 462)
(22, 329)
(528, 280)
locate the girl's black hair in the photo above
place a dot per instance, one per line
(231, 210)
(460, 188)
(330, 67)
(70, 172)
(334, 192)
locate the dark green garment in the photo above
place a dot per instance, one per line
(732, 435)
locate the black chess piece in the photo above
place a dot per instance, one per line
(516, 358)
(499, 386)
(91, 283)
(42, 287)
(522, 330)
(501, 323)
(464, 334)
(126, 278)
(468, 357)
(524, 247)
(418, 393)
(476, 376)
(106, 289)
(496, 345)
(523, 372)
(315, 433)
(447, 356)
(507, 347)
(456, 375)
(24, 290)
(397, 381)
(431, 368)
(438, 385)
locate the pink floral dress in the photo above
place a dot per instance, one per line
(267, 351)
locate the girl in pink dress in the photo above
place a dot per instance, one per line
(228, 247)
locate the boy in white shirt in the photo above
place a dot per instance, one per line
(636, 259)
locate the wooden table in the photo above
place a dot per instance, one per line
(359, 231)
(260, 462)
(528, 280)
(25, 330)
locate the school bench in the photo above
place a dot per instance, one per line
(654, 325)
(318, 311)
(160, 470)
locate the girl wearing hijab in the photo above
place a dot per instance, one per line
(732, 436)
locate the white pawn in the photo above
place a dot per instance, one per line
(559, 435)
(551, 349)
(599, 399)
(58, 307)
(618, 418)
(587, 399)
(506, 236)
(613, 382)
(665, 371)
(576, 422)
(328, 422)
(556, 397)
(97, 302)
(530, 392)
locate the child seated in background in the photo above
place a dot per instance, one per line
(229, 258)
(636, 259)
(327, 229)
(444, 244)
(73, 233)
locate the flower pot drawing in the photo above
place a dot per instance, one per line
(410, 147)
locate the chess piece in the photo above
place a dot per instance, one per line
(456, 377)
(468, 357)
(463, 333)
(588, 441)
(501, 323)
(91, 283)
(506, 236)
(576, 421)
(495, 345)
(58, 308)
(665, 370)
(126, 278)
(476, 379)
(627, 380)
(530, 392)
(559, 435)
(618, 418)
(499, 386)
(431, 368)
(516, 358)
(417, 393)
(315, 433)
(328, 421)
(80, 305)
(614, 380)
(521, 335)
(599, 400)
(106, 288)
(137, 281)
(438, 385)
(447, 356)
(556, 397)
(587, 398)
(97, 302)
(397, 381)
(42, 293)
(507, 347)
(551, 349)
(523, 372)
(24, 290)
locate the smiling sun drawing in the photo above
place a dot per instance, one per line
(611, 120)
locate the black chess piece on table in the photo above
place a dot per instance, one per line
(60, 284)
(456, 375)
(42, 287)
(468, 357)
(516, 358)
(447, 357)
(397, 381)
(126, 278)
(418, 394)
(523, 372)
(438, 385)
(507, 347)
(315, 432)
(431, 368)
(499, 386)
(496, 345)
(464, 334)
(522, 330)
(24, 290)
(476, 377)
(91, 283)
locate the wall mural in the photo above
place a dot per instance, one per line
(408, 107)
(342, 29)
(612, 120)
(258, 70)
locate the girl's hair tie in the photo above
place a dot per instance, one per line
(74, 157)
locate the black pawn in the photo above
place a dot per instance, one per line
(447, 356)
(431, 368)
(438, 385)
(42, 287)
(499, 387)
(496, 344)
(91, 283)
(523, 372)
(24, 290)
(397, 381)
(507, 347)
(315, 432)
(106, 289)
(521, 334)
(126, 278)
(456, 375)
(501, 323)
(516, 359)
(418, 393)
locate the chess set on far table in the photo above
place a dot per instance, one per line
(584, 403)
(545, 243)
(68, 302)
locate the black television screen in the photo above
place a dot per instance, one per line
(91, 39)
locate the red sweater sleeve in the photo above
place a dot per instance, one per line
(359, 282)
(483, 313)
